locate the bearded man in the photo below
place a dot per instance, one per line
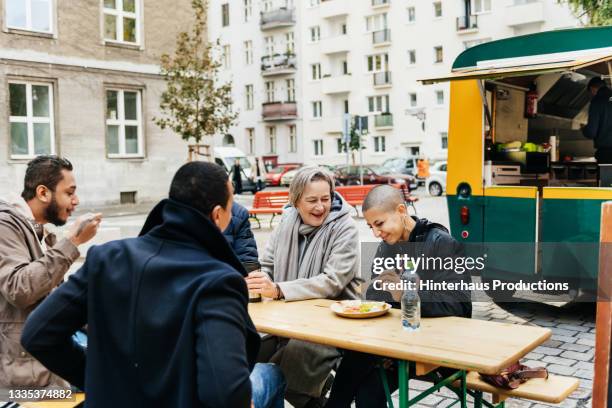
(33, 261)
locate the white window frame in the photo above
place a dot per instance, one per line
(28, 12)
(122, 123)
(223, 7)
(416, 99)
(248, 10)
(479, 6)
(408, 10)
(249, 97)
(376, 22)
(443, 135)
(380, 144)
(317, 109)
(435, 4)
(248, 52)
(412, 61)
(315, 34)
(30, 120)
(251, 140)
(290, 83)
(271, 139)
(380, 103)
(119, 15)
(290, 42)
(384, 63)
(227, 56)
(317, 145)
(292, 139)
(340, 145)
(269, 46)
(315, 71)
(314, 3)
(435, 49)
(438, 93)
(270, 91)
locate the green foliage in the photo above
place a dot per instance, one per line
(599, 12)
(195, 103)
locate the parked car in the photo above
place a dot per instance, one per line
(402, 165)
(349, 176)
(436, 182)
(273, 177)
(288, 176)
(227, 156)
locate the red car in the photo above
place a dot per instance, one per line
(273, 177)
(349, 176)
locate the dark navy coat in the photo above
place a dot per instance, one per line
(239, 235)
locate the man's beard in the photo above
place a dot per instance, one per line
(52, 213)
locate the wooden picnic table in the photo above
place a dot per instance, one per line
(455, 342)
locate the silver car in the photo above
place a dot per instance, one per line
(436, 182)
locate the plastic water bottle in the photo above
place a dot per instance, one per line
(411, 303)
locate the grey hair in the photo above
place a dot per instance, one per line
(306, 175)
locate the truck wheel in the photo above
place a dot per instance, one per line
(435, 189)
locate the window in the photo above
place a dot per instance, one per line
(345, 67)
(248, 52)
(317, 109)
(121, 21)
(440, 97)
(438, 54)
(444, 140)
(318, 147)
(248, 10)
(411, 57)
(339, 145)
(227, 57)
(411, 14)
(315, 34)
(314, 3)
(290, 41)
(376, 22)
(316, 71)
(269, 46)
(413, 100)
(290, 90)
(31, 15)
(225, 14)
(379, 144)
(266, 5)
(251, 139)
(378, 63)
(270, 92)
(123, 123)
(249, 97)
(343, 29)
(292, 139)
(378, 103)
(437, 9)
(31, 119)
(346, 106)
(272, 139)
(482, 6)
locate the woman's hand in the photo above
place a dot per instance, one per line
(260, 282)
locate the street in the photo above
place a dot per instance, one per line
(569, 352)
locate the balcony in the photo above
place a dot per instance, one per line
(384, 120)
(278, 64)
(335, 45)
(467, 24)
(333, 124)
(336, 84)
(334, 8)
(380, 3)
(272, 111)
(382, 79)
(280, 17)
(528, 13)
(381, 37)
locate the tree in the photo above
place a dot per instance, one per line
(195, 103)
(599, 12)
(354, 144)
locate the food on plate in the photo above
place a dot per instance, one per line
(362, 307)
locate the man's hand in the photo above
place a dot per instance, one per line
(84, 228)
(260, 282)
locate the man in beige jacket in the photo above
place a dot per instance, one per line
(33, 261)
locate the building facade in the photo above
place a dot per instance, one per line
(313, 61)
(83, 82)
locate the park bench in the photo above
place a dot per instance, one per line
(268, 202)
(355, 195)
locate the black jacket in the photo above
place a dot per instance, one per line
(166, 314)
(599, 126)
(239, 235)
(429, 239)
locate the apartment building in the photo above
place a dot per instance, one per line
(82, 80)
(316, 60)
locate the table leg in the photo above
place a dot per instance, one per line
(383, 378)
(403, 384)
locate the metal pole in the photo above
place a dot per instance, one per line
(360, 155)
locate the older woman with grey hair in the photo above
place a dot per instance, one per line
(313, 253)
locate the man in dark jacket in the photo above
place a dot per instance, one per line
(166, 312)
(239, 235)
(599, 126)
(357, 378)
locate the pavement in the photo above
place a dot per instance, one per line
(569, 352)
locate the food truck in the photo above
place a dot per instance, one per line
(522, 179)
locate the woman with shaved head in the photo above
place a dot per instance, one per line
(386, 213)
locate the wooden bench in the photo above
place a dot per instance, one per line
(355, 195)
(268, 202)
